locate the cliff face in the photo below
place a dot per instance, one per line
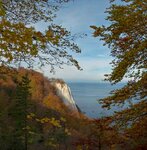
(65, 93)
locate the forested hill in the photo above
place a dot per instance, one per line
(29, 100)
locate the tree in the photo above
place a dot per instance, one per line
(126, 36)
(21, 43)
(21, 111)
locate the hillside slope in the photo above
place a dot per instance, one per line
(48, 116)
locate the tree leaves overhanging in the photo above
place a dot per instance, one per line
(126, 36)
(22, 44)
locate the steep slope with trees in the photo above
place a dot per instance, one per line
(37, 114)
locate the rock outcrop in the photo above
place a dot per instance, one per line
(64, 92)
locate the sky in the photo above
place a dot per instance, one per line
(77, 16)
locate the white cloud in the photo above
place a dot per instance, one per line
(93, 70)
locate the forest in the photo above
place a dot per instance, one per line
(33, 115)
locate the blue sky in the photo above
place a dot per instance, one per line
(77, 16)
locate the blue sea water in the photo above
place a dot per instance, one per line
(87, 95)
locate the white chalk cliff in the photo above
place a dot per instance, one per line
(64, 92)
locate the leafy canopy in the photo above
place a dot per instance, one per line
(21, 43)
(126, 37)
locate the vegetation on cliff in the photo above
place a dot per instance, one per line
(34, 114)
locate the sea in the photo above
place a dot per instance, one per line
(87, 96)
